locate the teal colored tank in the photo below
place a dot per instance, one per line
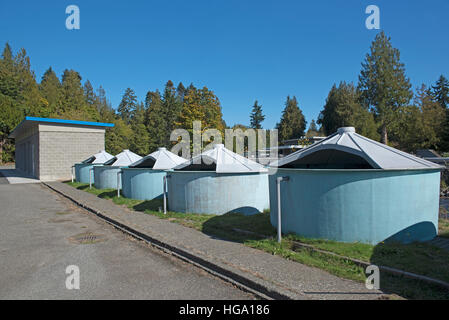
(142, 183)
(353, 189)
(218, 181)
(105, 177)
(217, 193)
(82, 171)
(368, 206)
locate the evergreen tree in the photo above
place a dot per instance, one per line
(180, 92)
(342, 109)
(9, 79)
(140, 137)
(29, 99)
(155, 121)
(73, 104)
(118, 137)
(383, 84)
(128, 105)
(313, 130)
(172, 106)
(19, 96)
(89, 94)
(101, 94)
(10, 116)
(441, 91)
(293, 122)
(107, 113)
(422, 123)
(256, 116)
(50, 88)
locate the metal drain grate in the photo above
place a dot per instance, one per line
(87, 238)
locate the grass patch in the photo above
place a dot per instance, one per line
(394, 255)
(256, 231)
(443, 228)
(360, 251)
(335, 265)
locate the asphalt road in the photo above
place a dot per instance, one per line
(39, 238)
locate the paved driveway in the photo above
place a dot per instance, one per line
(41, 234)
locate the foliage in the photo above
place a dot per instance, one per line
(342, 109)
(256, 116)
(128, 105)
(313, 130)
(118, 137)
(440, 91)
(293, 122)
(200, 105)
(383, 85)
(421, 123)
(140, 137)
(155, 121)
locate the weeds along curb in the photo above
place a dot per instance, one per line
(361, 263)
(239, 281)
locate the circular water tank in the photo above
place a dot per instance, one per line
(352, 189)
(217, 193)
(142, 183)
(105, 177)
(367, 206)
(82, 172)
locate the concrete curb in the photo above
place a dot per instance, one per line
(262, 289)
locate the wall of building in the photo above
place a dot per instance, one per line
(62, 145)
(27, 151)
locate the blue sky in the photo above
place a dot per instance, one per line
(243, 50)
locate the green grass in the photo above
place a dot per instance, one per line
(419, 258)
(443, 228)
(335, 265)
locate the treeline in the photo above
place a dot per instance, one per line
(383, 106)
(147, 125)
(141, 126)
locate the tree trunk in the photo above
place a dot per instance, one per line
(384, 135)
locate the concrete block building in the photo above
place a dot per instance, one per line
(48, 148)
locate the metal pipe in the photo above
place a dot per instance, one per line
(278, 185)
(165, 192)
(90, 177)
(118, 183)
(72, 172)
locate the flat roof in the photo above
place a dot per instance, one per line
(13, 134)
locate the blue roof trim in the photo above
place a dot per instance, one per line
(51, 120)
(84, 123)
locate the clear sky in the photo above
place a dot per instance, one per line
(241, 49)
